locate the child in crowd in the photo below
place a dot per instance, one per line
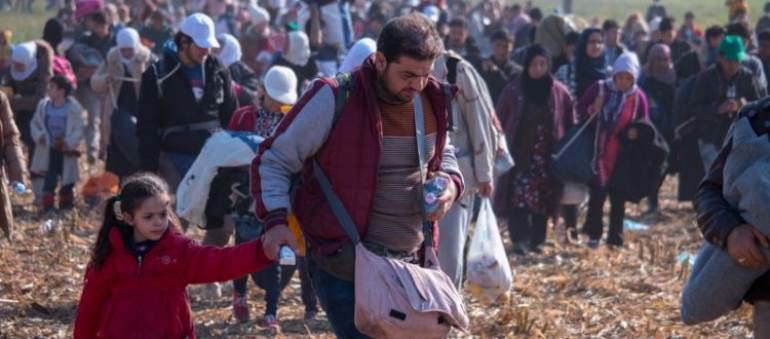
(135, 283)
(57, 127)
(278, 94)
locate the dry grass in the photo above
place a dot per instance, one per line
(567, 292)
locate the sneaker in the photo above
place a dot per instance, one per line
(310, 314)
(268, 320)
(240, 307)
(593, 243)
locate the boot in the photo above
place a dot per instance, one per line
(66, 200)
(48, 201)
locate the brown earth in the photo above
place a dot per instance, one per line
(567, 292)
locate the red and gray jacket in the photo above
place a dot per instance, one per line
(350, 158)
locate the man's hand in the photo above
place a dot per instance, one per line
(742, 246)
(447, 198)
(41, 141)
(486, 189)
(275, 237)
(728, 106)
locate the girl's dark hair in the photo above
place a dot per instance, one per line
(62, 82)
(134, 191)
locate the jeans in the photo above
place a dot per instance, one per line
(55, 170)
(454, 233)
(527, 228)
(337, 297)
(594, 225)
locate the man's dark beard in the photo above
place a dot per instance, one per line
(382, 90)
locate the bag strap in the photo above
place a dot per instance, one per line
(338, 208)
(557, 155)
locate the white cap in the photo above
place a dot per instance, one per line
(281, 84)
(258, 14)
(432, 12)
(361, 50)
(201, 29)
(413, 3)
(128, 38)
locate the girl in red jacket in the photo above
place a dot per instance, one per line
(136, 281)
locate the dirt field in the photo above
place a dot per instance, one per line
(567, 292)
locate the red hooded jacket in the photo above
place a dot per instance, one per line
(147, 297)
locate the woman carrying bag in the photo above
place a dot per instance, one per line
(535, 110)
(616, 102)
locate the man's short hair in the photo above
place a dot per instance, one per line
(502, 34)
(689, 15)
(740, 29)
(516, 7)
(666, 25)
(764, 36)
(412, 35)
(572, 38)
(609, 24)
(536, 14)
(767, 7)
(98, 17)
(715, 31)
(178, 39)
(458, 23)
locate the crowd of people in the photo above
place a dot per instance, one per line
(140, 87)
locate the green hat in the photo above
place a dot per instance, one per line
(732, 48)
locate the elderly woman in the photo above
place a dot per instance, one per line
(31, 70)
(244, 77)
(617, 102)
(296, 56)
(534, 110)
(119, 77)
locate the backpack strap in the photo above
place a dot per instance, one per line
(344, 87)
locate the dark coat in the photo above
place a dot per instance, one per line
(177, 107)
(685, 147)
(244, 76)
(641, 162)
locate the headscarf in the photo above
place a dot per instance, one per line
(616, 100)
(128, 38)
(299, 49)
(588, 70)
(53, 33)
(665, 74)
(361, 50)
(26, 54)
(536, 91)
(231, 49)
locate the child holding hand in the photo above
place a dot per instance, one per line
(136, 281)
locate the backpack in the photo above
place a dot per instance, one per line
(62, 67)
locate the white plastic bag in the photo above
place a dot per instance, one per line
(488, 272)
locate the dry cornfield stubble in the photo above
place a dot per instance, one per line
(566, 292)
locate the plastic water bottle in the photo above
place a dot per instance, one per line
(286, 256)
(19, 188)
(433, 190)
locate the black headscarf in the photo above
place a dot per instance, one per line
(588, 70)
(536, 91)
(53, 33)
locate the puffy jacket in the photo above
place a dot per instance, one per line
(135, 297)
(176, 107)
